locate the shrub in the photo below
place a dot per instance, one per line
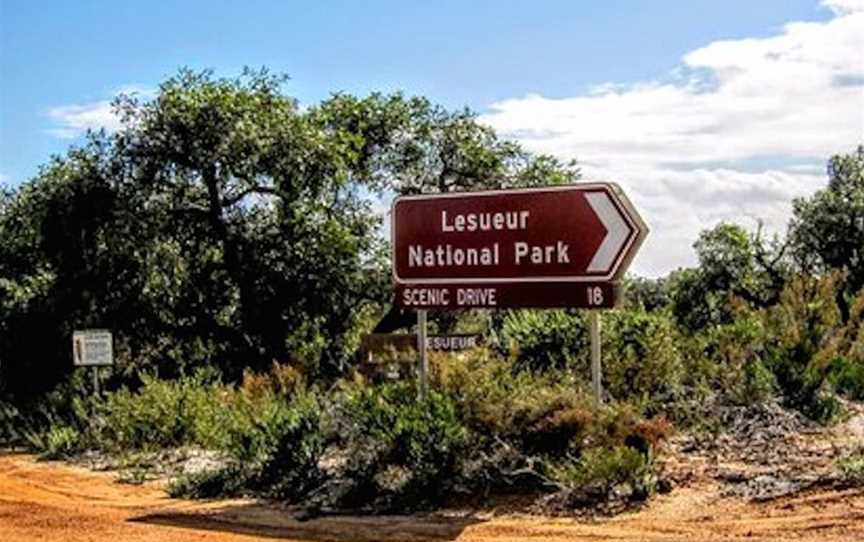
(59, 442)
(290, 449)
(800, 328)
(275, 444)
(600, 470)
(547, 413)
(537, 412)
(847, 377)
(230, 481)
(544, 340)
(642, 360)
(852, 469)
(389, 428)
(734, 352)
(281, 379)
(161, 413)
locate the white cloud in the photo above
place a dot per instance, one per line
(73, 120)
(844, 6)
(746, 126)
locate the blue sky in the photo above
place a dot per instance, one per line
(524, 65)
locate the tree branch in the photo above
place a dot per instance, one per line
(257, 189)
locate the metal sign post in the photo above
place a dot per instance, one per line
(596, 383)
(424, 360)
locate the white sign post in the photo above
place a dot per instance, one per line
(93, 348)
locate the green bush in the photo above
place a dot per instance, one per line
(602, 469)
(290, 445)
(274, 442)
(847, 377)
(59, 442)
(642, 359)
(230, 481)
(547, 413)
(161, 414)
(544, 340)
(734, 353)
(26, 423)
(538, 411)
(852, 469)
(424, 438)
(802, 328)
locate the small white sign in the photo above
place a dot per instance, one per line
(92, 347)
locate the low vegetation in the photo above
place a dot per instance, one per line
(852, 469)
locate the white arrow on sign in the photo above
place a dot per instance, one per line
(617, 232)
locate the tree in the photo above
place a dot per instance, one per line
(827, 229)
(225, 225)
(732, 262)
(411, 146)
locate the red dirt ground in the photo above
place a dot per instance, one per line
(53, 501)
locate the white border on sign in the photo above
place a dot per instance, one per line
(631, 216)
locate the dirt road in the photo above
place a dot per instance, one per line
(52, 501)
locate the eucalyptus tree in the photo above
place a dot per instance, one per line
(827, 229)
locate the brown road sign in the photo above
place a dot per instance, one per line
(560, 246)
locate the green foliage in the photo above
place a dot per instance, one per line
(289, 448)
(411, 146)
(425, 438)
(160, 414)
(734, 354)
(230, 481)
(544, 413)
(641, 351)
(59, 441)
(852, 469)
(224, 225)
(847, 377)
(827, 230)
(801, 327)
(603, 469)
(545, 339)
(540, 412)
(732, 263)
(647, 294)
(643, 361)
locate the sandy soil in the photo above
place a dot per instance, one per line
(53, 501)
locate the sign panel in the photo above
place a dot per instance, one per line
(594, 295)
(562, 246)
(92, 347)
(453, 343)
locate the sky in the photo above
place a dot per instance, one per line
(709, 111)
